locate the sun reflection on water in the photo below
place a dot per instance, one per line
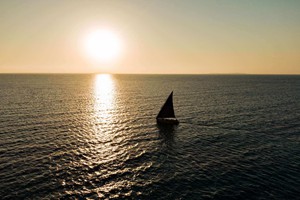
(104, 93)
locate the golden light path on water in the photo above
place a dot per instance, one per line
(104, 94)
(104, 105)
(110, 146)
(107, 137)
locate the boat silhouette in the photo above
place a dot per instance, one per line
(166, 114)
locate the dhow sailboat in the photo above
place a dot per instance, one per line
(166, 114)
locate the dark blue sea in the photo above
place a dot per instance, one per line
(96, 137)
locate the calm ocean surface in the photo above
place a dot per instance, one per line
(95, 136)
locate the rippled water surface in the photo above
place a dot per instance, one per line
(95, 136)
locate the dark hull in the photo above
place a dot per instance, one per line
(167, 121)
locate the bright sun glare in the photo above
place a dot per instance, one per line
(103, 46)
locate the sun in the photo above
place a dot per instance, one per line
(102, 45)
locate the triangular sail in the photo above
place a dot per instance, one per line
(167, 111)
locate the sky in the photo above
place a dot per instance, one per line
(158, 36)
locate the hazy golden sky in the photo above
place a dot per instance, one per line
(159, 36)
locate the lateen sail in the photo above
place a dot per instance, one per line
(167, 110)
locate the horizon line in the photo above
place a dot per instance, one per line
(78, 73)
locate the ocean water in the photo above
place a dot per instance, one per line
(95, 136)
